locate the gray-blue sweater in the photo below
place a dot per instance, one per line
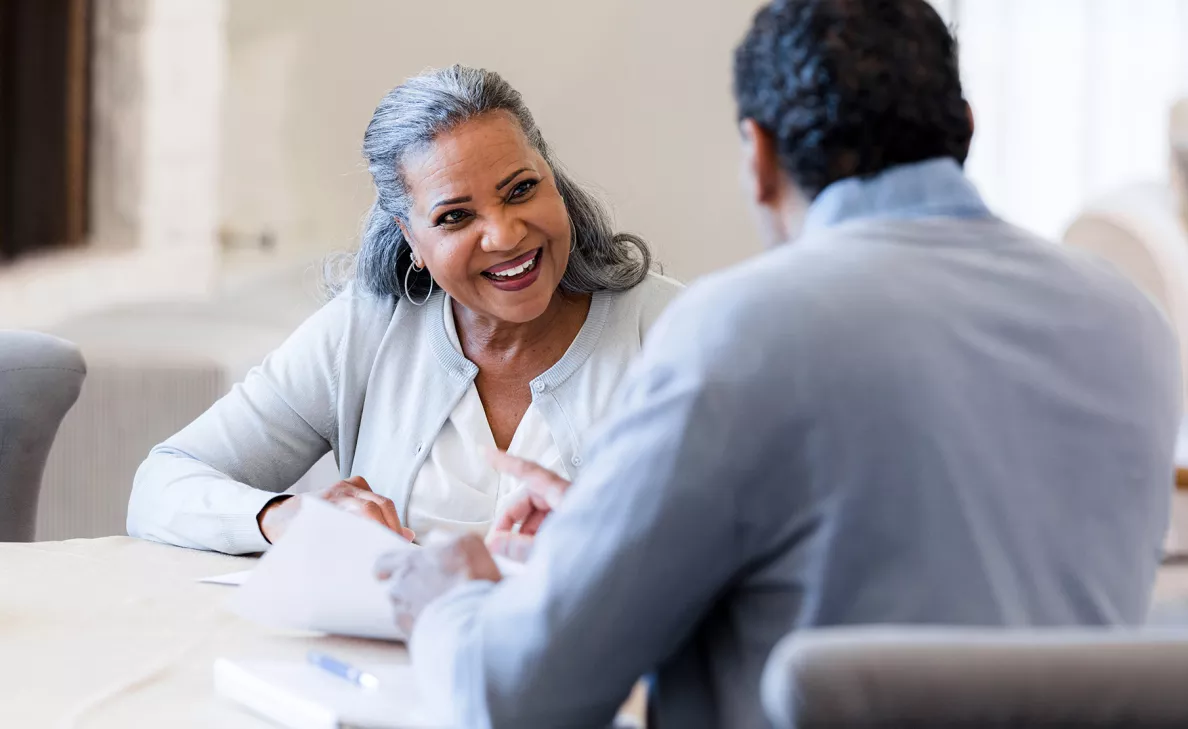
(916, 413)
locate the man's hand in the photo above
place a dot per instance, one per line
(416, 577)
(543, 491)
(353, 495)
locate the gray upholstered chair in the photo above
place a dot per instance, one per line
(928, 678)
(40, 378)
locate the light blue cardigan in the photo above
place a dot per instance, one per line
(373, 379)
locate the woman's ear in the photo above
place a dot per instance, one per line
(407, 238)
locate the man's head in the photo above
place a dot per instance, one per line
(830, 89)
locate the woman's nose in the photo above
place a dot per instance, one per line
(505, 233)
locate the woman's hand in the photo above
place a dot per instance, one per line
(416, 577)
(353, 495)
(543, 491)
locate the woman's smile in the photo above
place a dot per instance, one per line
(517, 274)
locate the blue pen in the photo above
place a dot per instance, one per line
(345, 671)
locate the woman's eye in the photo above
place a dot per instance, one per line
(522, 189)
(453, 217)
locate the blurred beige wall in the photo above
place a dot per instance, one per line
(634, 96)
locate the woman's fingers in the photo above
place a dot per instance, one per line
(355, 494)
(358, 482)
(366, 509)
(387, 510)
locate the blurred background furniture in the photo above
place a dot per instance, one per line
(1138, 228)
(929, 678)
(1142, 229)
(40, 378)
(153, 369)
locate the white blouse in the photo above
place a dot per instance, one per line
(455, 489)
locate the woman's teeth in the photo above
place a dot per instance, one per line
(522, 268)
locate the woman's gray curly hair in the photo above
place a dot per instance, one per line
(411, 116)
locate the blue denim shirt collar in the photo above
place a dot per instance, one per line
(934, 187)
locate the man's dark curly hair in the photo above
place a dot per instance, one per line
(852, 87)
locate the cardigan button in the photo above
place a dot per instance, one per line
(538, 386)
(576, 460)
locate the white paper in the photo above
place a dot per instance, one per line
(234, 579)
(321, 576)
(508, 567)
(299, 695)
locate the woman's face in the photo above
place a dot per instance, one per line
(487, 219)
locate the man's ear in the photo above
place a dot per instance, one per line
(761, 163)
(972, 126)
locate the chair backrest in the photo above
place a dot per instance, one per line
(152, 369)
(924, 678)
(40, 378)
(1139, 229)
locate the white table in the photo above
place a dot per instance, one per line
(1170, 601)
(115, 633)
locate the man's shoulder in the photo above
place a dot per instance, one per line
(733, 314)
(1106, 288)
(749, 291)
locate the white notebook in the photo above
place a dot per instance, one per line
(302, 696)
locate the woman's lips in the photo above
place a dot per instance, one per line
(526, 270)
(513, 263)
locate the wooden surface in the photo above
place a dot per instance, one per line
(116, 634)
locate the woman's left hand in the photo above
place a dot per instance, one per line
(416, 577)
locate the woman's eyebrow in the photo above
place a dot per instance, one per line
(451, 201)
(504, 182)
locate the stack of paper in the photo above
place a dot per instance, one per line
(300, 696)
(321, 576)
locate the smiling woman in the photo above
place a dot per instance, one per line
(484, 234)
(490, 304)
(417, 123)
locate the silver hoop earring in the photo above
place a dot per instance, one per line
(407, 272)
